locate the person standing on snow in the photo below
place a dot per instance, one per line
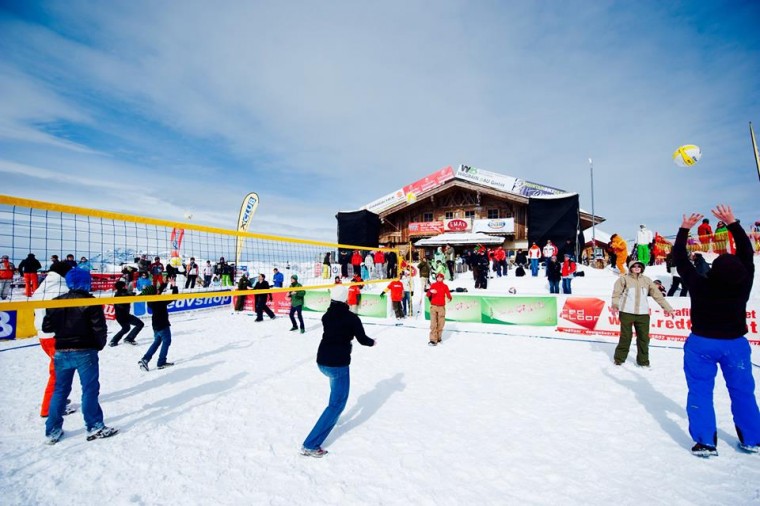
(262, 298)
(80, 333)
(619, 249)
(277, 278)
(439, 294)
(333, 359)
(6, 277)
(630, 297)
(28, 268)
(704, 232)
(534, 254)
(549, 250)
(51, 287)
(568, 271)
(719, 325)
(296, 303)
(644, 241)
(162, 331)
(553, 274)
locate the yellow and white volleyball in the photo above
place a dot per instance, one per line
(188, 215)
(687, 155)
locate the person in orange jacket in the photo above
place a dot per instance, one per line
(437, 293)
(620, 250)
(397, 295)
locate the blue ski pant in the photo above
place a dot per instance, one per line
(700, 364)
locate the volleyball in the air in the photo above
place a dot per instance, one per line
(188, 215)
(512, 290)
(687, 155)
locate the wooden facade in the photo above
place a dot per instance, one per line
(460, 199)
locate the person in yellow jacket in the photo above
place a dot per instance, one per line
(620, 249)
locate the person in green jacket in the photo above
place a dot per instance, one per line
(296, 303)
(424, 268)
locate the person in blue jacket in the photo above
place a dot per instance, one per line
(718, 328)
(277, 278)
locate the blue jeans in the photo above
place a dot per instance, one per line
(296, 310)
(406, 303)
(340, 382)
(554, 286)
(534, 266)
(161, 338)
(700, 365)
(566, 285)
(85, 362)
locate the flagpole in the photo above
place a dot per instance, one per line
(593, 214)
(754, 149)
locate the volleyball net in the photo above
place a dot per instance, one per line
(115, 246)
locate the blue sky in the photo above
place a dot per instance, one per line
(156, 108)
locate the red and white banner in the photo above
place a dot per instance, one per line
(591, 316)
(426, 228)
(457, 225)
(412, 191)
(280, 303)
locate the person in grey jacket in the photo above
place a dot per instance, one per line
(630, 297)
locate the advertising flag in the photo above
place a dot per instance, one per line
(247, 209)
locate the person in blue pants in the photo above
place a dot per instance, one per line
(333, 358)
(718, 328)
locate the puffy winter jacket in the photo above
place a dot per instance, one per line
(631, 292)
(82, 327)
(340, 327)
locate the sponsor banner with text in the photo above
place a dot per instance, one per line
(497, 225)
(412, 191)
(426, 228)
(593, 317)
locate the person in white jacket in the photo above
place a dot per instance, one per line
(644, 240)
(630, 297)
(51, 287)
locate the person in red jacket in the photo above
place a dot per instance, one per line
(397, 295)
(437, 293)
(704, 231)
(6, 276)
(354, 294)
(356, 262)
(568, 271)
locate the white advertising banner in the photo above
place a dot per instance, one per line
(499, 225)
(386, 202)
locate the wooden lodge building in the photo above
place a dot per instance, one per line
(462, 207)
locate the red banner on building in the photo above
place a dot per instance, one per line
(437, 178)
(426, 228)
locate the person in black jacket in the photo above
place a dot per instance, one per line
(124, 318)
(333, 359)
(260, 299)
(718, 328)
(553, 273)
(80, 332)
(162, 333)
(28, 269)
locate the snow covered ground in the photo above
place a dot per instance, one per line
(485, 418)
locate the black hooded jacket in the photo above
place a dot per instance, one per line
(340, 327)
(719, 300)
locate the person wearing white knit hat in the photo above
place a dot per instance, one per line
(333, 358)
